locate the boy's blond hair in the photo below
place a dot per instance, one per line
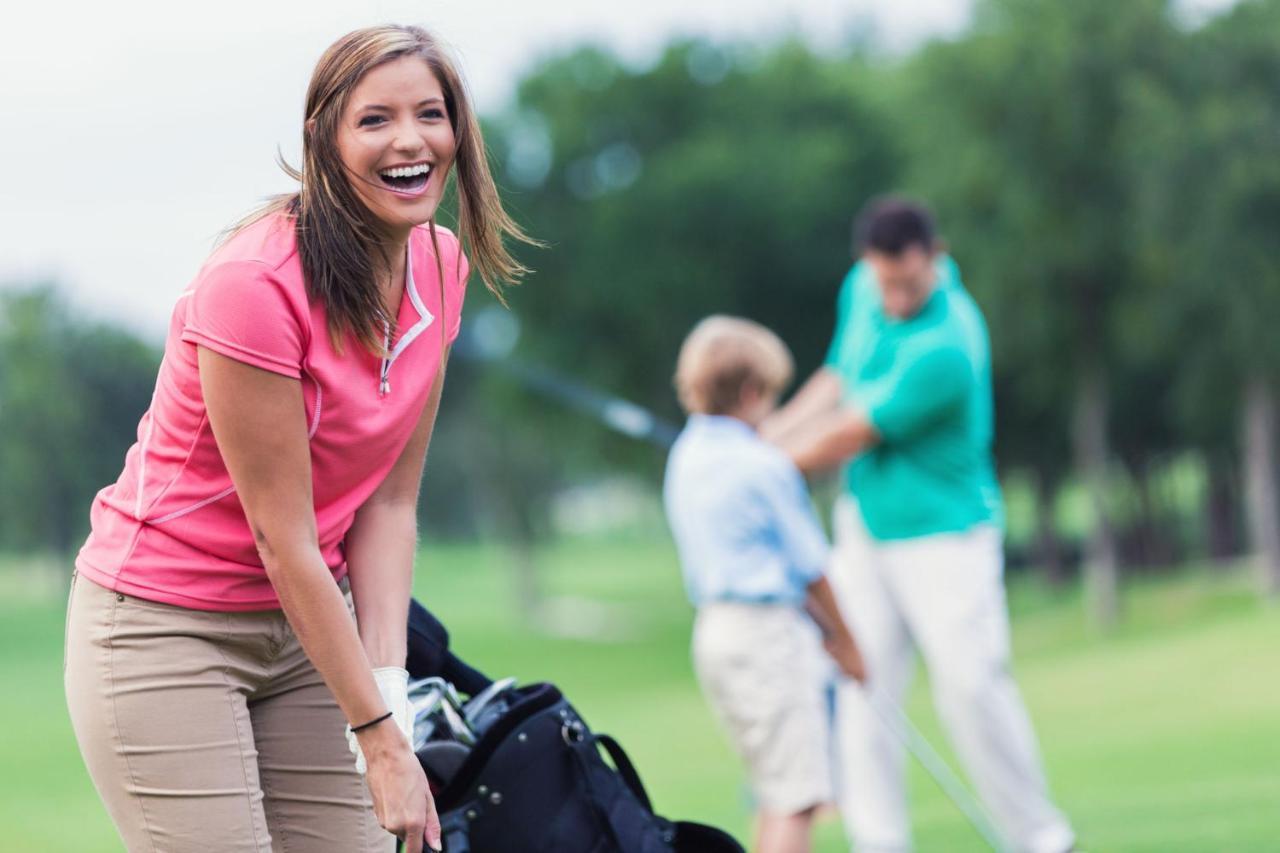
(724, 355)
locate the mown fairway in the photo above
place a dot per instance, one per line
(1164, 736)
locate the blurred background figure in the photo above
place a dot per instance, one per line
(903, 402)
(754, 557)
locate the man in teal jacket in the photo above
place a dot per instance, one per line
(904, 399)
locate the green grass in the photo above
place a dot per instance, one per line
(1162, 736)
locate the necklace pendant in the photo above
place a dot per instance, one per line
(384, 387)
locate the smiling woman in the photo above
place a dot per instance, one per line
(213, 660)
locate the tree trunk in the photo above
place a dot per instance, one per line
(1221, 510)
(1158, 546)
(1092, 451)
(1048, 545)
(499, 496)
(1262, 506)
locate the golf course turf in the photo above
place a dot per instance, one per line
(1163, 735)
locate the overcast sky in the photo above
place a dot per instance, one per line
(133, 132)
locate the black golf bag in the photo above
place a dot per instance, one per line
(534, 780)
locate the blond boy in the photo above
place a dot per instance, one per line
(754, 559)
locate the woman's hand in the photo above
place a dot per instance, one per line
(401, 796)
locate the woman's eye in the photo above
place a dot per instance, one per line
(369, 121)
(433, 113)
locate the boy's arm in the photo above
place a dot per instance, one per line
(836, 636)
(806, 546)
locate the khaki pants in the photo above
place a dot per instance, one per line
(943, 595)
(210, 731)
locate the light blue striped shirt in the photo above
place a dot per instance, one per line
(741, 517)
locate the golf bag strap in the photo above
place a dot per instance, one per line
(625, 769)
(583, 752)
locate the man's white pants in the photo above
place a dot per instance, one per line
(943, 595)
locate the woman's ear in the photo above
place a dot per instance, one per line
(309, 127)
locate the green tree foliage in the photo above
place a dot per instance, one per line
(1104, 173)
(721, 180)
(1209, 186)
(71, 395)
(1020, 131)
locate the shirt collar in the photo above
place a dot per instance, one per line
(721, 424)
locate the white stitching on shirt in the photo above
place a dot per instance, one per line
(142, 451)
(426, 317)
(195, 506)
(315, 419)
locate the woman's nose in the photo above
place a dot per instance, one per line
(407, 139)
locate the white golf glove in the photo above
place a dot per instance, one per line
(393, 684)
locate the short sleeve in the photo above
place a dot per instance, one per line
(927, 387)
(240, 310)
(798, 528)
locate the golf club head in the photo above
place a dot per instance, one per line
(488, 705)
(425, 698)
(457, 725)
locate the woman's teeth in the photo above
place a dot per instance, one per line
(406, 177)
(406, 171)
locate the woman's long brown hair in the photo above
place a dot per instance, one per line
(339, 238)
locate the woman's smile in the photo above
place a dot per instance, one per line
(409, 180)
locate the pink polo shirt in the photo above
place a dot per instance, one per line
(171, 529)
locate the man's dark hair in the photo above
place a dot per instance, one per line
(893, 224)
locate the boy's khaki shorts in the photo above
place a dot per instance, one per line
(762, 669)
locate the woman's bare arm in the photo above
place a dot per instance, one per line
(259, 423)
(383, 541)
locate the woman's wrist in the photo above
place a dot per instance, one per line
(355, 730)
(380, 740)
(384, 649)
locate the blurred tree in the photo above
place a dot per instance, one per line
(71, 394)
(1210, 194)
(722, 179)
(1018, 128)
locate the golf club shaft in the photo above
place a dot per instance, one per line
(897, 722)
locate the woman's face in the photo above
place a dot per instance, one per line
(396, 142)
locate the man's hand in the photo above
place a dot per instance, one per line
(837, 639)
(831, 440)
(817, 397)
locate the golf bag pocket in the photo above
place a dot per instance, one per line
(536, 782)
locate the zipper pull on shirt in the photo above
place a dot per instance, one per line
(384, 379)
